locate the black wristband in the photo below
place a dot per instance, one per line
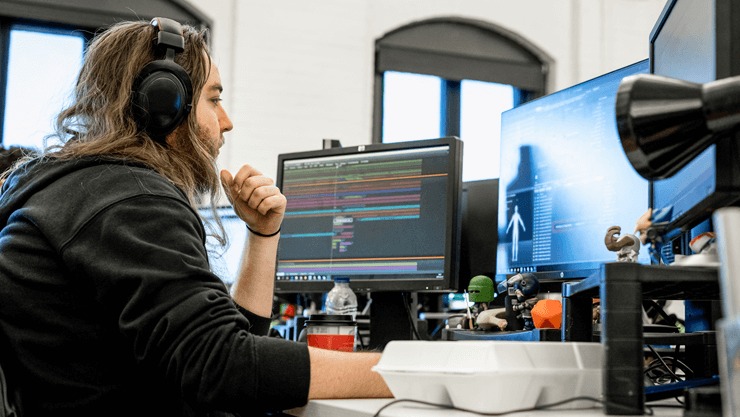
(262, 234)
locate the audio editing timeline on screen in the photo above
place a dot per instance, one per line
(363, 214)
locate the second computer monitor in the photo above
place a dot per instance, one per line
(385, 215)
(564, 181)
(697, 41)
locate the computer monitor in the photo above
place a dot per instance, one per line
(478, 236)
(697, 41)
(564, 181)
(224, 260)
(385, 215)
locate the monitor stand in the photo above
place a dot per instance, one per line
(390, 319)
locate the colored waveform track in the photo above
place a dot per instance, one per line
(345, 172)
(353, 265)
(385, 258)
(349, 192)
(359, 213)
(337, 191)
(363, 199)
(311, 186)
(349, 202)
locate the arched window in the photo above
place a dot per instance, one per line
(41, 50)
(454, 77)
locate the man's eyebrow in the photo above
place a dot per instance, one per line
(218, 87)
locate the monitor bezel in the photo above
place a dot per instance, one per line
(364, 284)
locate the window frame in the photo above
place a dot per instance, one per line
(457, 49)
(87, 16)
(6, 26)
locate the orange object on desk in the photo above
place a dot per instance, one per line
(547, 314)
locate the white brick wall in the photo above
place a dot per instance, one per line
(297, 71)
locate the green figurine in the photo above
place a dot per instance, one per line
(480, 290)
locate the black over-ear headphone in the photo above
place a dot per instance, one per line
(162, 93)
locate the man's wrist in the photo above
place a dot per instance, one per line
(256, 233)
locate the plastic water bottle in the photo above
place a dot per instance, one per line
(341, 299)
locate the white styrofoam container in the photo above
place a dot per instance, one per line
(493, 376)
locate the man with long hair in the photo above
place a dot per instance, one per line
(108, 305)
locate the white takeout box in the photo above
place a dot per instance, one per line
(493, 376)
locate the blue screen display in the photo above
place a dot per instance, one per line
(565, 180)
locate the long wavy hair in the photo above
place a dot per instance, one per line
(100, 120)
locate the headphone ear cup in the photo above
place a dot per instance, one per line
(161, 98)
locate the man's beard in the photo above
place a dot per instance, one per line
(204, 171)
(212, 146)
(183, 140)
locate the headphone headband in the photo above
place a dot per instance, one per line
(169, 34)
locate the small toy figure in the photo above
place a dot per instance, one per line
(526, 296)
(705, 243)
(481, 293)
(522, 290)
(704, 249)
(651, 227)
(643, 224)
(627, 246)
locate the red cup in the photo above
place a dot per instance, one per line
(331, 331)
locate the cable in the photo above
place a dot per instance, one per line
(359, 339)
(410, 316)
(668, 368)
(434, 332)
(679, 405)
(366, 310)
(501, 413)
(654, 368)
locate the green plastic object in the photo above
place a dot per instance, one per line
(480, 289)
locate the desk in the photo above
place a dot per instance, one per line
(621, 287)
(368, 408)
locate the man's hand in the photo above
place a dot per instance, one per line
(255, 199)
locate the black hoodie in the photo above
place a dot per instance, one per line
(108, 306)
